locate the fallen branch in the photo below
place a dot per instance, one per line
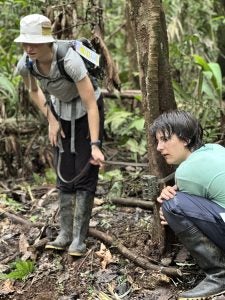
(19, 220)
(140, 261)
(145, 264)
(128, 94)
(133, 202)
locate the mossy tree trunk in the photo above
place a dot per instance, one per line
(157, 94)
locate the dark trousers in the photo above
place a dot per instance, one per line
(186, 210)
(74, 164)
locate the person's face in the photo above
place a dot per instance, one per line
(173, 149)
(36, 51)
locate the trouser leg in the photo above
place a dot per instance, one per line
(185, 210)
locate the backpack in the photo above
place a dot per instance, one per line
(87, 52)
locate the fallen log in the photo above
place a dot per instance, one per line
(133, 202)
(140, 261)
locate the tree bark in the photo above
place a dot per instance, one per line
(153, 57)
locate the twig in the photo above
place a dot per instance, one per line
(9, 258)
(125, 163)
(83, 260)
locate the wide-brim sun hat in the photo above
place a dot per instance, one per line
(35, 29)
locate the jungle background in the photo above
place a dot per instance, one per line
(127, 257)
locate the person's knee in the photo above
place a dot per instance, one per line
(168, 206)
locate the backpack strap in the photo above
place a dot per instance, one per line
(60, 54)
(30, 67)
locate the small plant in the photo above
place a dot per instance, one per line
(105, 224)
(7, 201)
(128, 128)
(109, 207)
(21, 270)
(50, 176)
(205, 101)
(111, 175)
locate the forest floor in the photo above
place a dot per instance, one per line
(105, 272)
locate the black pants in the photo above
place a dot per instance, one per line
(186, 210)
(73, 164)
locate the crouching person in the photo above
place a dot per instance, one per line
(195, 207)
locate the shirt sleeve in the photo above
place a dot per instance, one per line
(74, 65)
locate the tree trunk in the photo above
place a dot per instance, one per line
(152, 51)
(131, 51)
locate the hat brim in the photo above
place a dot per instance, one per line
(34, 39)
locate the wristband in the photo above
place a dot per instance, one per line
(96, 143)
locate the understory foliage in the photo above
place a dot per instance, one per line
(197, 78)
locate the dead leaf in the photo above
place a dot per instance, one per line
(98, 201)
(105, 255)
(25, 249)
(23, 244)
(7, 287)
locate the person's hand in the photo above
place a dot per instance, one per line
(97, 156)
(167, 193)
(162, 218)
(53, 130)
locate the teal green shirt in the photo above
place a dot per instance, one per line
(203, 173)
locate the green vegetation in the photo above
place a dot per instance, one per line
(195, 43)
(20, 270)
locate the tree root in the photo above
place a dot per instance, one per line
(140, 261)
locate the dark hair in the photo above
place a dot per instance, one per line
(183, 124)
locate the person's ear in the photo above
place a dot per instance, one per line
(186, 143)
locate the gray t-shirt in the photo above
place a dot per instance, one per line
(62, 92)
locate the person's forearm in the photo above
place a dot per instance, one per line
(93, 122)
(39, 99)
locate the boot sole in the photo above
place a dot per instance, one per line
(76, 253)
(54, 247)
(201, 298)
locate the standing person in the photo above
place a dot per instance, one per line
(75, 115)
(195, 207)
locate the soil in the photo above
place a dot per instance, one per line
(103, 273)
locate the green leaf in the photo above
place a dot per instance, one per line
(50, 176)
(138, 124)
(136, 147)
(117, 119)
(216, 71)
(7, 87)
(110, 175)
(201, 62)
(180, 92)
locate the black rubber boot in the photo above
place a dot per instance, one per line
(82, 215)
(66, 204)
(210, 259)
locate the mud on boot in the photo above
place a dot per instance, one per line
(82, 215)
(66, 204)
